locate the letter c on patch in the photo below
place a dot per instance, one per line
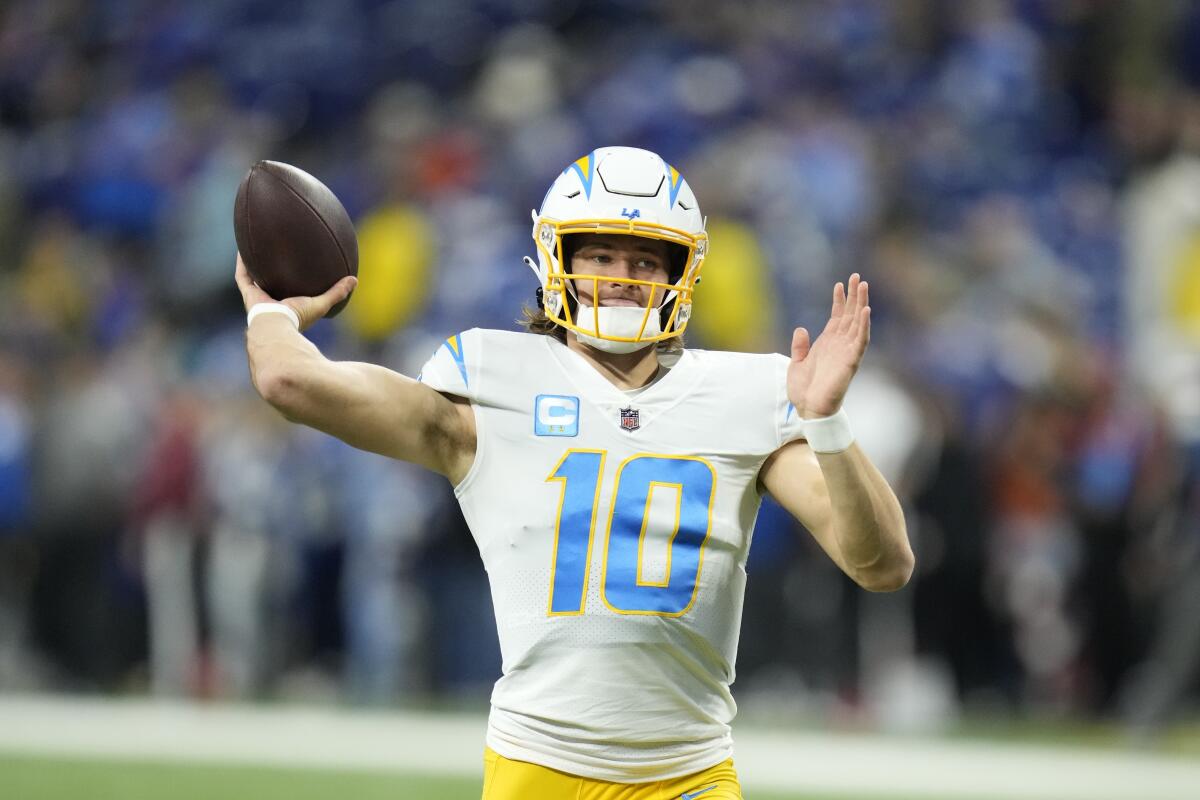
(556, 415)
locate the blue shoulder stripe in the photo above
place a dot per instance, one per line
(454, 345)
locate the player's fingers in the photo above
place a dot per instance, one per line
(336, 293)
(240, 274)
(839, 301)
(800, 344)
(863, 334)
(854, 310)
(311, 309)
(850, 315)
(251, 293)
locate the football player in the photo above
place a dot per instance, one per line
(611, 480)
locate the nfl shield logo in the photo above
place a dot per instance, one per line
(630, 420)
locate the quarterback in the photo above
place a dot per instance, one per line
(611, 479)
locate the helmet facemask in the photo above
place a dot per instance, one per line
(619, 328)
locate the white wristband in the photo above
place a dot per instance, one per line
(830, 434)
(259, 309)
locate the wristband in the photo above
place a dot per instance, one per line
(830, 434)
(259, 309)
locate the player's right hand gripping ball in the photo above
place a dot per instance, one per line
(294, 235)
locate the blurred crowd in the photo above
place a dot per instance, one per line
(1019, 180)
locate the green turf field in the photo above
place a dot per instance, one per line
(78, 748)
(30, 778)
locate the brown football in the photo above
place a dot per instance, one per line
(294, 235)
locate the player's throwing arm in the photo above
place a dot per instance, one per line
(300, 236)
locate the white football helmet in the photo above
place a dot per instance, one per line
(620, 190)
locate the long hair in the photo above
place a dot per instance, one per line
(535, 320)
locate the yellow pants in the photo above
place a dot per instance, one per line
(505, 779)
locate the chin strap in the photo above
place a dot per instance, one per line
(622, 321)
(609, 346)
(540, 293)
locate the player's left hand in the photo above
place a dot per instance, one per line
(820, 372)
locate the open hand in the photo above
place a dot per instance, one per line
(308, 309)
(820, 372)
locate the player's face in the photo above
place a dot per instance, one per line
(620, 257)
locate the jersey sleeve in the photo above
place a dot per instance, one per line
(787, 419)
(453, 367)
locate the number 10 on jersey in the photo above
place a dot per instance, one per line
(624, 590)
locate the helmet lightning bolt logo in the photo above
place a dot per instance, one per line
(584, 167)
(676, 185)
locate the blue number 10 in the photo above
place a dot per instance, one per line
(625, 590)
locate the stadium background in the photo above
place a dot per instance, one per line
(1018, 179)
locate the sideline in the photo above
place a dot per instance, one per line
(451, 744)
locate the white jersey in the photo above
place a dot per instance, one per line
(614, 528)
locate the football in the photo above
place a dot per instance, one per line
(294, 235)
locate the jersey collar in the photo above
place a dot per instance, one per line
(596, 390)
